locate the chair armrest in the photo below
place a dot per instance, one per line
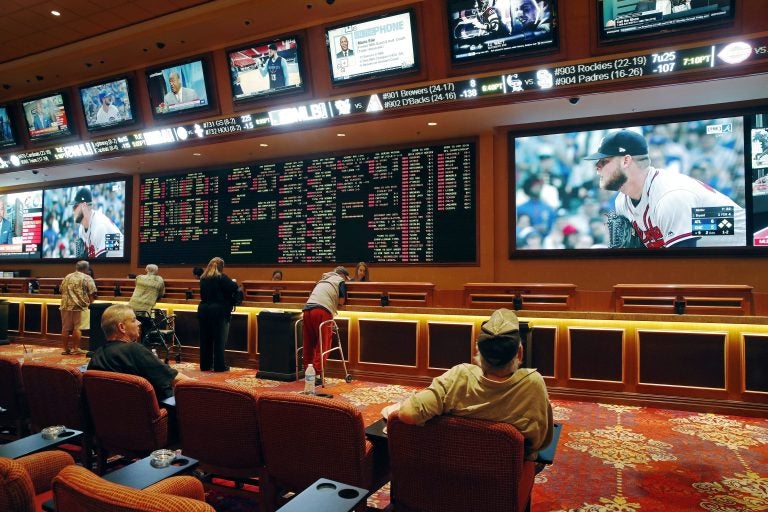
(43, 466)
(183, 486)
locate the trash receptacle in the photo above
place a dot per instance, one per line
(277, 347)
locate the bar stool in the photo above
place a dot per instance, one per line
(334, 336)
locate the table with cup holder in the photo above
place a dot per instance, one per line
(143, 473)
(37, 443)
(326, 496)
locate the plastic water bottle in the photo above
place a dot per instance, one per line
(309, 380)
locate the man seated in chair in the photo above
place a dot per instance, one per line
(122, 354)
(149, 288)
(495, 388)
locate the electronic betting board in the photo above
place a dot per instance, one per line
(409, 205)
(639, 66)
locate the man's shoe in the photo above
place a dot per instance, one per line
(77, 352)
(66, 353)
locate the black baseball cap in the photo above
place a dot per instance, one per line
(83, 196)
(620, 143)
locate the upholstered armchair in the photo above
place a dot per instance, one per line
(55, 397)
(126, 417)
(219, 426)
(455, 464)
(307, 437)
(13, 403)
(25, 483)
(75, 489)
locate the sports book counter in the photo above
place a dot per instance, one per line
(697, 347)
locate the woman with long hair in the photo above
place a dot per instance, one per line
(218, 296)
(361, 272)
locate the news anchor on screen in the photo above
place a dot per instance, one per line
(178, 93)
(98, 237)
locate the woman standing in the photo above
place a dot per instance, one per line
(218, 294)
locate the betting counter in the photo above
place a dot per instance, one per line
(693, 347)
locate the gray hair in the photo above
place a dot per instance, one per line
(152, 269)
(114, 315)
(81, 265)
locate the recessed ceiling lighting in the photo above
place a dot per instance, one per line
(431, 123)
(341, 134)
(56, 13)
(196, 154)
(264, 145)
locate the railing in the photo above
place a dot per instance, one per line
(699, 299)
(532, 296)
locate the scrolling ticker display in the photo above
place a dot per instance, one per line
(639, 66)
(412, 205)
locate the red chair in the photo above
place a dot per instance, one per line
(305, 437)
(456, 464)
(55, 397)
(126, 417)
(25, 483)
(76, 489)
(13, 404)
(219, 426)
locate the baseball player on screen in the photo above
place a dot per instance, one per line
(657, 202)
(98, 236)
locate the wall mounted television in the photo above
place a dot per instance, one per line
(759, 163)
(21, 221)
(47, 117)
(373, 47)
(86, 221)
(392, 205)
(680, 184)
(505, 28)
(266, 68)
(7, 132)
(108, 104)
(181, 87)
(622, 19)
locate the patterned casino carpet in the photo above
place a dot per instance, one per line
(610, 458)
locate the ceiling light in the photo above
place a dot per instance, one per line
(264, 145)
(431, 123)
(341, 134)
(56, 13)
(196, 154)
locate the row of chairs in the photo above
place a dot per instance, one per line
(282, 441)
(286, 441)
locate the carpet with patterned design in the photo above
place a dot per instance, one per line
(610, 458)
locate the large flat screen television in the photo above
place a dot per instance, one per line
(679, 186)
(265, 69)
(621, 19)
(7, 132)
(373, 47)
(47, 117)
(759, 158)
(177, 88)
(108, 104)
(21, 221)
(504, 28)
(393, 205)
(86, 221)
